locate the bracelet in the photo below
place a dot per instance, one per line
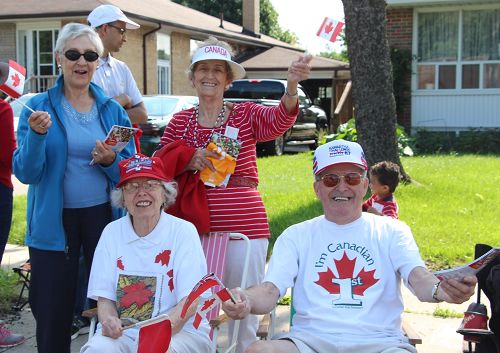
(291, 95)
(435, 290)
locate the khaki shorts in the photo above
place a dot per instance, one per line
(307, 343)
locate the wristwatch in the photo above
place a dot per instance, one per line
(434, 292)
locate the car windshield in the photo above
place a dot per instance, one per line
(160, 106)
(255, 89)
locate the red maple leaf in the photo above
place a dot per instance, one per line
(207, 303)
(325, 281)
(119, 263)
(171, 280)
(136, 293)
(329, 27)
(15, 80)
(345, 267)
(367, 280)
(163, 257)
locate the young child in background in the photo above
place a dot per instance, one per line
(384, 178)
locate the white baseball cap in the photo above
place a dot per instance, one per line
(338, 152)
(109, 13)
(215, 52)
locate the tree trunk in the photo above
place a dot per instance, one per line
(372, 85)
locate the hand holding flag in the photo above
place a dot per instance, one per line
(330, 29)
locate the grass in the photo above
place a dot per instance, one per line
(452, 205)
(447, 313)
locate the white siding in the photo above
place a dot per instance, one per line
(454, 112)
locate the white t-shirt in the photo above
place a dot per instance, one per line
(148, 275)
(115, 78)
(346, 278)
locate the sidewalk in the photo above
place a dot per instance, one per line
(438, 334)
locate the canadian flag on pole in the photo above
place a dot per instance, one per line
(203, 284)
(14, 82)
(330, 29)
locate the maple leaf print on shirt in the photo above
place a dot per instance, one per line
(119, 263)
(163, 258)
(171, 280)
(136, 293)
(347, 283)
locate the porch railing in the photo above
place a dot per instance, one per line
(41, 83)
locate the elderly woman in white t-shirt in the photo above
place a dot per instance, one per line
(146, 264)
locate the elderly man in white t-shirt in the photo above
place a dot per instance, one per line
(113, 75)
(345, 268)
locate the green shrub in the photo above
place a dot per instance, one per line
(471, 141)
(348, 132)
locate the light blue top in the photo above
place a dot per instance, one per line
(84, 185)
(41, 160)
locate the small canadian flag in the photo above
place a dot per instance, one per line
(14, 82)
(330, 29)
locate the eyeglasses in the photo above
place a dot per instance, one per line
(121, 30)
(74, 55)
(332, 180)
(146, 186)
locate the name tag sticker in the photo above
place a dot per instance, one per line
(231, 132)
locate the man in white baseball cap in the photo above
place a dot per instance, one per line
(346, 268)
(113, 75)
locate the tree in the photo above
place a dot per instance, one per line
(232, 13)
(342, 56)
(372, 84)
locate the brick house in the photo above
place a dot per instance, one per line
(454, 48)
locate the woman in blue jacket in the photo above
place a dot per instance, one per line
(68, 199)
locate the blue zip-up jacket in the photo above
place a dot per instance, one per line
(40, 161)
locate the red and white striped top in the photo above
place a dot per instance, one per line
(237, 208)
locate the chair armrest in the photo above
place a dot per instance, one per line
(219, 320)
(90, 313)
(263, 330)
(413, 337)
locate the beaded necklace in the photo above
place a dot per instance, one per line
(218, 123)
(84, 118)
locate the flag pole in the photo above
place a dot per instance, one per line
(151, 321)
(24, 105)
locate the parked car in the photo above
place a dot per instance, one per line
(17, 107)
(311, 121)
(160, 109)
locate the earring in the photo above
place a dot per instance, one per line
(59, 66)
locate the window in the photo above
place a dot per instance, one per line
(163, 63)
(36, 53)
(458, 49)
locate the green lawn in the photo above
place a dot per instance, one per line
(453, 203)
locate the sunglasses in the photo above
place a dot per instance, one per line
(147, 185)
(74, 55)
(121, 30)
(332, 180)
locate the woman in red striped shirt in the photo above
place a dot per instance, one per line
(237, 206)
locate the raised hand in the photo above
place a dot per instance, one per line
(299, 69)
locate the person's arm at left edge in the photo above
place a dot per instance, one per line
(424, 285)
